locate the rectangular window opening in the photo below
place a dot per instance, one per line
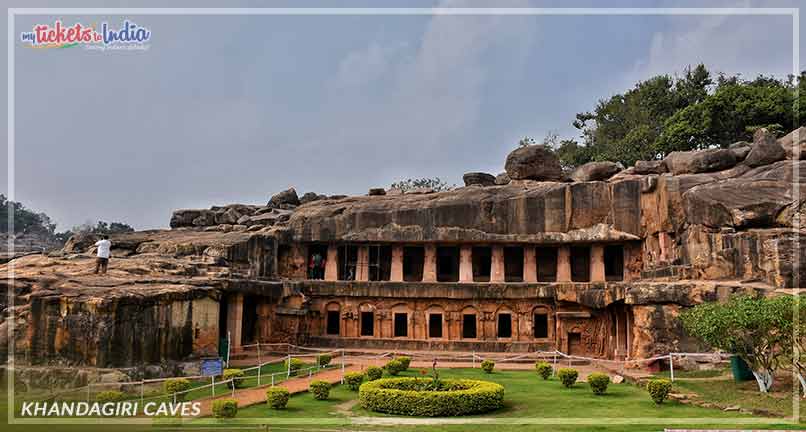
(447, 264)
(380, 263)
(469, 326)
(581, 264)
(546, 258)
(482, 263)
(513, 264)
(413, 259)
(401, 324)
(435, 325)
(348, 259)
(541, 325)
(367, 324)
(614, 262)
(333, 323)
(504, 325)
(317, 258)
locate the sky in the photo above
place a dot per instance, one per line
(226, 109)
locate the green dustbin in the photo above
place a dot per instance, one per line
(741, 372)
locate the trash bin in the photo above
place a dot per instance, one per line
(741, 372)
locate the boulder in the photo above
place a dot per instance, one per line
(394, 191)
(794, 144)
(377, 191)
(205, 218)
(595, 171)
(337, 197)
(740, 149)
(502, 179)
(184, 217)
(243, 220)
(650, 167)
(311, 197)
(230, 216)
(534, 162)
(765, 151)
(288, 196)
(693, 162)
(478, 178)
(262, 219)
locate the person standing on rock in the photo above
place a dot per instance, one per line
(104, 247)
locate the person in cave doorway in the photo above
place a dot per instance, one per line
(317, 266)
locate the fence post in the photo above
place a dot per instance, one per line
(259, 364)
(212, 384)
(229, 345)
(554, 368)
(671, 366)
(474, 359)
(288, 360)
(342, 365)
(142, 391)
(272, 380)
(88, 392)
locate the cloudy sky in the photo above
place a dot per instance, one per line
(232, 109)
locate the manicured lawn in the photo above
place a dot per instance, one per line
(726, 392)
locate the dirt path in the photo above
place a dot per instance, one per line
(256, 395)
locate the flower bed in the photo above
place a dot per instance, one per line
(426, 397)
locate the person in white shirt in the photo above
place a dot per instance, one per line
(104, 246)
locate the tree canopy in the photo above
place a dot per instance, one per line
(434, 183)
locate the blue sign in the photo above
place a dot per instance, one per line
(212, 367)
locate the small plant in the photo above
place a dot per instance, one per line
(177, 385)
(353, 380)
(324, 359)
(598, 382)
(234, 375)
(373, 373)
(296, 365)
(568, 376)
(488, 366)
(225, 408)
(405, 361)
(109, 396)
(394, 367)
(320, 389)
(659, 389)
(543, 369)
(277, 397)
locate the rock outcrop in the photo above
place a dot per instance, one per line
(765, 150)
(794, 144)
(703, 161)
(478, 178)
(595, 171)
(534, 162)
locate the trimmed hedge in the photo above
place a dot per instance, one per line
(234, 374)
(176, 385)
(320, 389)
(659, 389)
(353, 380)
(458, 397)
(543, 369)
(567, 376)
(394, 367)
(488, 366)
(598, 382)
(277, 397)
(324, 359)
(296, 365)
(373, 373)
(109, 396)
(405, 361)
(225, 408)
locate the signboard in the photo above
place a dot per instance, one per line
(212, 367)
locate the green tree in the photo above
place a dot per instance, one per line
(434, 183)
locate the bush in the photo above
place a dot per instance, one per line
(320, 389)
(277, 397)
(405, 361)
(234, 374)
(659, 389)
(456, 397)
(488, 366)
(568, 376)
(373, 373)
(394, 367)
(225, 408)
(543, 369)
(176, 385)
(324, 359)
(598, 382)
(353, 380)
(296, 365)
(109, 396)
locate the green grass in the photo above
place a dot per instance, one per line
(745, 394)
(708, 373)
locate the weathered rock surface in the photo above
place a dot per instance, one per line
(502, 179)
(535, 162)
(740, 149)
(765, 151)
(288, 196)
(595, 171)
(703, 161)
(650, 167)
(377, 192)
(478, 178)
(794, 144)
(311, 197)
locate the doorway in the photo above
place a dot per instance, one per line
(575, 344)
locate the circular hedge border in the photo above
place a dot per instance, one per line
(462, 397)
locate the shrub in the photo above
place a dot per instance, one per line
(277, 397)
(659, 389)
(296, 365)
(176, 385)
(353, 380)
(324, 359)
(320, 389)
(394, 367)
(109, 396)
(405, 361)
(456, 397)
(543, 369)
(227, 408)
(373, 373)
(234, 374)
(567, 376)
(488, 366)
(598, 382)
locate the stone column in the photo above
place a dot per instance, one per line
(332, 263)
(564, 264)
(430, 263)
(529, 264)
(466, 264)
(396, 274)
(235, 320)
(497, 265)
(362, 264)
(597, 263)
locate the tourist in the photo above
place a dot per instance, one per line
(317, 266)
(104, 246)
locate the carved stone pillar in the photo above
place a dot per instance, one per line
(235, 320)
(396, 274)
(332, 263)
(529, 264)
(362, 264)
(430, 263)
(597, 263)
(564, 264)
(466, 264)
(497, 265)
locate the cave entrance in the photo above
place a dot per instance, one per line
(581, 264)
(380, 262)
(546, 258)
(348, 259)
(541, 325)
(614, 262)
(435, 325)
(575, 344)
(447, 264)
(413, 259)
(317, 257)
(482, 263)
(333, 322)
(469, 326)
(513, 264)
(367, 324)
(249, 320)
(401, 324)
(505, 325)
